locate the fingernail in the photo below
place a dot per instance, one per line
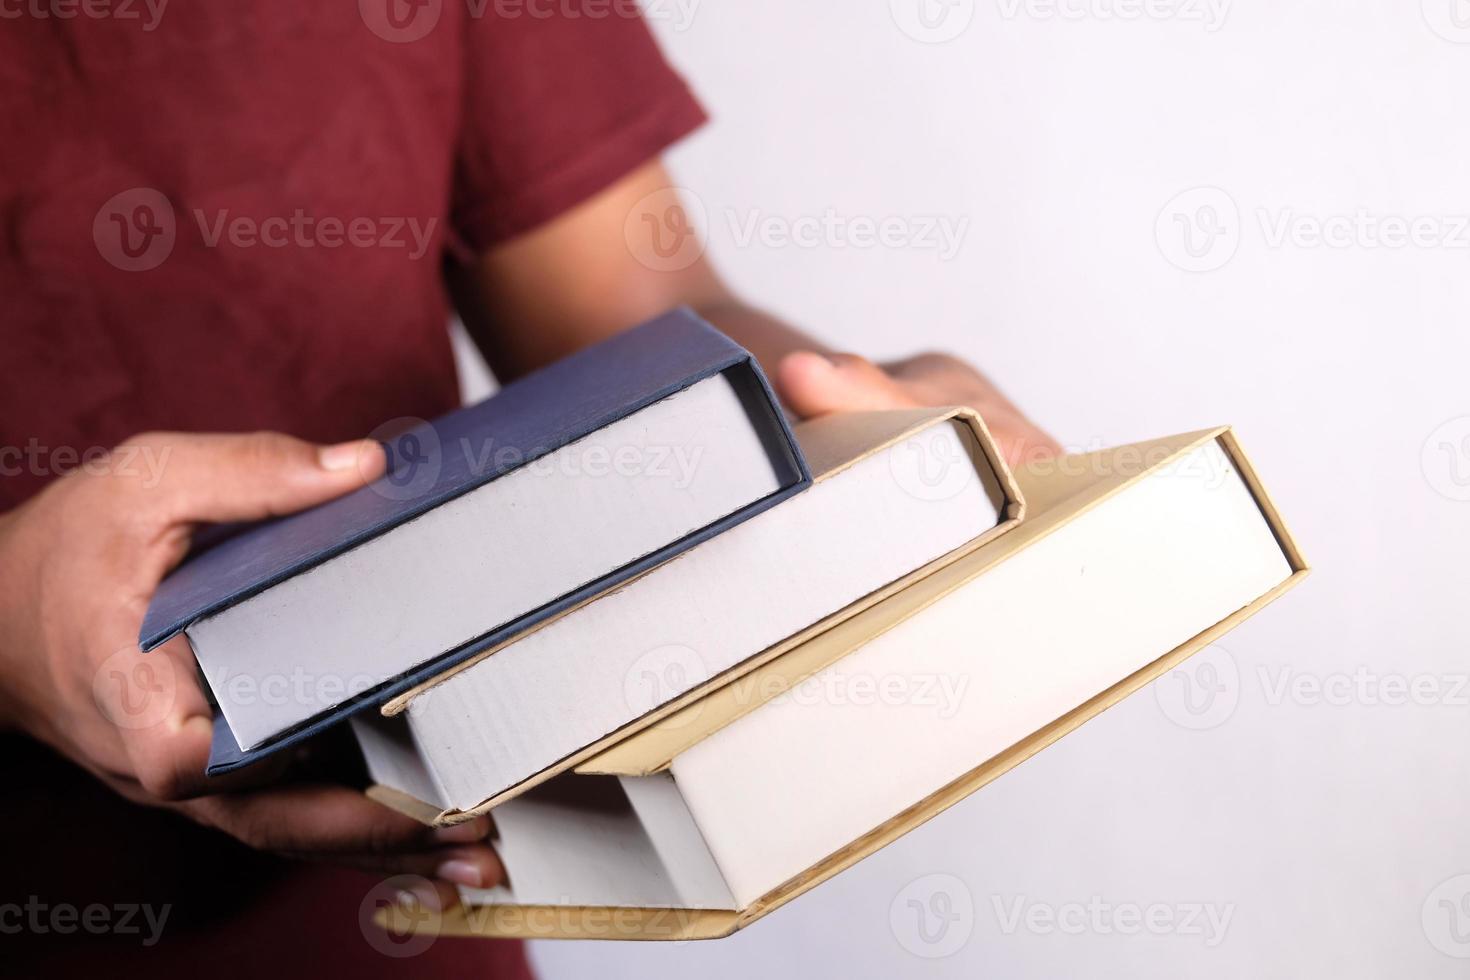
(340, 456)
(463, 833)
(420, 895)
(461, 873)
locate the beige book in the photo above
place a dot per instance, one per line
(730, 806)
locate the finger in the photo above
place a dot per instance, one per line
(1020, 441)
(165, 725)
(1030, 446)
(219, 478)
(813, 384)
(325, 821)
(472, 866)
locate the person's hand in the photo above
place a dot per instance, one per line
(817, 384)
(79, 563)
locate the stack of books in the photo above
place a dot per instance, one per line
(693, 660)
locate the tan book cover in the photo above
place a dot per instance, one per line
(1057, 492)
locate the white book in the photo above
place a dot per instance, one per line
(873, 515)
(925, 696)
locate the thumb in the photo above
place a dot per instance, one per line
(220, 478)
(814, 384)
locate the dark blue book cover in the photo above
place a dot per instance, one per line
(539, 413)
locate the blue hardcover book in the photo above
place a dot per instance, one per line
(489, 520)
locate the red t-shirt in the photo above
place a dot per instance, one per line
(234, 216)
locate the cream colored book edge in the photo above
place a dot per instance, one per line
(832, 444)
(1059, 497)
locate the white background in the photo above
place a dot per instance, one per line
(1329, 828)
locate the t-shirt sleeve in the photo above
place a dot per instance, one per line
(557, 108)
